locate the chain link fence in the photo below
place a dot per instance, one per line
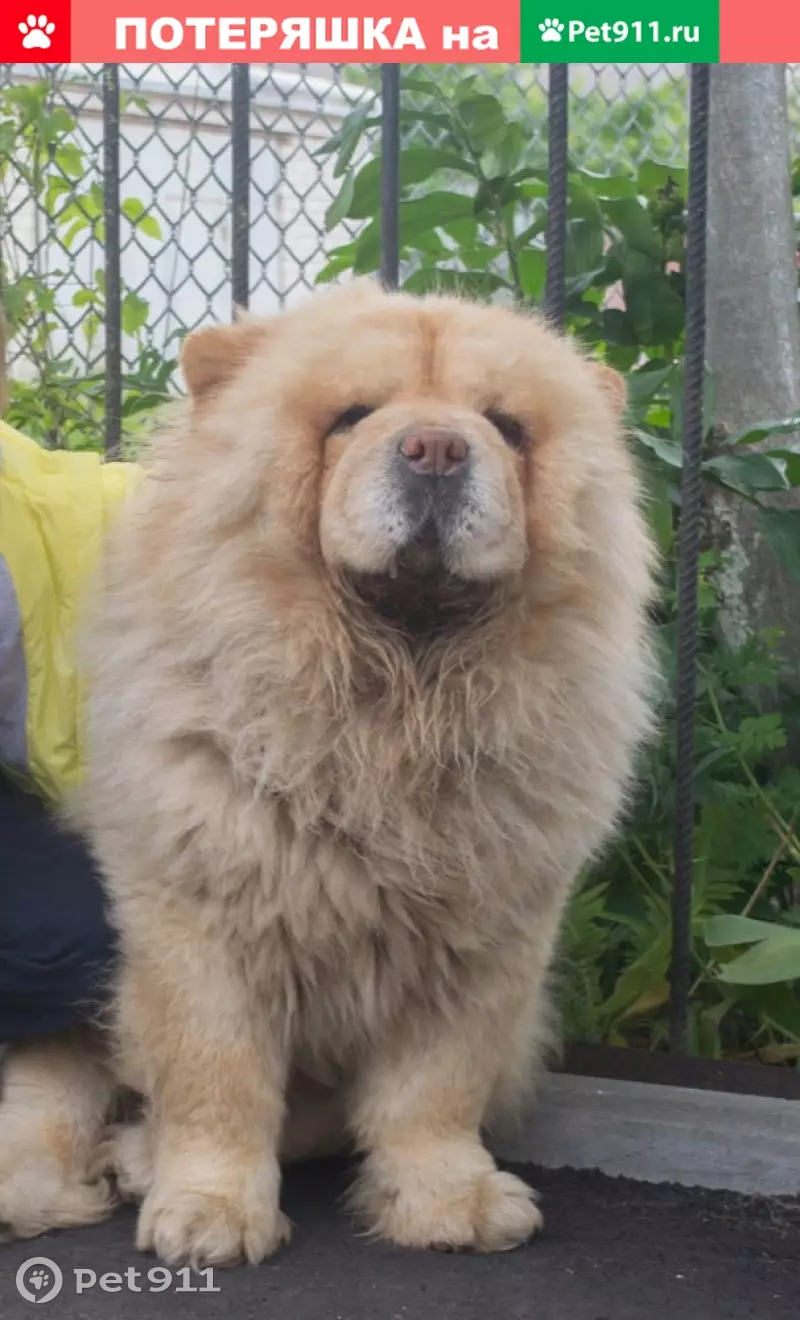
(176, 181)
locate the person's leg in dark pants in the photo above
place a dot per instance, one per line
(55, 1088)
(55, 943)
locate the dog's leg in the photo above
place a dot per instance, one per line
(213, 1078)
(314, 1127)
(427, 1180)
(55, 1093)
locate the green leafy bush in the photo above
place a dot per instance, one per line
(61, 404)
(607, 134)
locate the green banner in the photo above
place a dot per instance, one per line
(595, 31)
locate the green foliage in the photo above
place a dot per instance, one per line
(474, 198)
(772, 955)
(607, 136)
(61, 405)
(473, 216)
(746, 860)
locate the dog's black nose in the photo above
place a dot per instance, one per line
(433, 451)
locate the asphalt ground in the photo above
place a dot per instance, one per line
(612, 1249)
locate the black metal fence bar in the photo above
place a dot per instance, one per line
(390, 175)
(240, 185)
(688, 553)
(113, 276)
(557, 171)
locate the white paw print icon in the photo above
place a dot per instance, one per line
(551, 29)
(39, 1279)
(36, 32)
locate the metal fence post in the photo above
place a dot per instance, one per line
(390, 175)
(557, 170)
(240, 185)
(688, 555)
(113, 280)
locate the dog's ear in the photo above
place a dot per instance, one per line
(613, 386)
(211, 355)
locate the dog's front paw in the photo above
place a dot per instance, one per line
(213, 1224)
(448, 1202)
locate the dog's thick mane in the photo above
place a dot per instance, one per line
(358, 727)
(310, 695)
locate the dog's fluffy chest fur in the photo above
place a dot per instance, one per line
(379, 884)
(345, 935)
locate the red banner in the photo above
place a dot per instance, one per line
(128, 31)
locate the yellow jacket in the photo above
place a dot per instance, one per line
(54, 510)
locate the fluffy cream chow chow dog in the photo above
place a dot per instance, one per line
(368, 679)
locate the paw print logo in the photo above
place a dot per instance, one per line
(36, 32)
(551, 29)
(39, 1279)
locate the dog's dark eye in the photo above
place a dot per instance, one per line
(512, 431)
(350, 418)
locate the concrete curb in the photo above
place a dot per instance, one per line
(654, 1133)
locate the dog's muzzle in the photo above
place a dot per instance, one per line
(432, 468)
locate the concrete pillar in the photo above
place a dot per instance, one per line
(753, 337)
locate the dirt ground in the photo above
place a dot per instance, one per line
(612, 1249)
